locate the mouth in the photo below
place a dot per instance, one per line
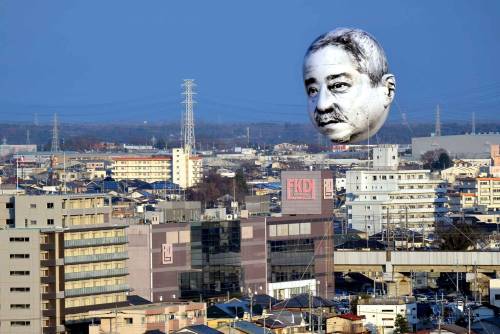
(329, 118)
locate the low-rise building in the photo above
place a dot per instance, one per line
(158, 317)
(146, 168)
(488, 192)
(345, 323)
(380, 313)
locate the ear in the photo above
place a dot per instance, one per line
(389, 82)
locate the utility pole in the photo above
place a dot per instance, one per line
(310, 310)
(406, 227)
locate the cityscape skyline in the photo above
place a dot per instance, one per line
(92, 72)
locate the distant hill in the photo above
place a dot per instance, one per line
(208, 135)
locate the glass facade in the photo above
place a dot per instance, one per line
(291, 260)
(216, 259)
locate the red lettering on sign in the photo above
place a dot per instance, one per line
(300, 189)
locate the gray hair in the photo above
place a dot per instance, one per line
(365, 50)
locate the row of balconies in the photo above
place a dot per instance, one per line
(95, 242)
(96, 258)
(96, 290)
(95, 274)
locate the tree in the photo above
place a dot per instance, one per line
(401, 325)
(436, 160)
(457, 237)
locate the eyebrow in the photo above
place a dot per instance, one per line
(310, 81)
(335, 76)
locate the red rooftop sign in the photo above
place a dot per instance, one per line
(300, 189)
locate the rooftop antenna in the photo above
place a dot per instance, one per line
(473, 123)
(55, 136)
(437, 131)
(188, 139)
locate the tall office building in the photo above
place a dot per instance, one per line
(64, 259)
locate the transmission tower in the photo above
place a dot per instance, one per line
(187, 128)
(55, 137)
(28, 137)
(437, 131)
(473, 123)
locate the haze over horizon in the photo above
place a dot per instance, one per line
(121, 61)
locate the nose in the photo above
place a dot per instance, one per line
(325, 100)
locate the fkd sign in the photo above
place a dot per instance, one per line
(300, 189)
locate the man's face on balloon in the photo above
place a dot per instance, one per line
(343, 102)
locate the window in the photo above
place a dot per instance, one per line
(9, 205)
(32, 206)
(32, 222)
(19, 306)
(20, 289)
(19, 256)
(50, 221)
(129, 321)
(50, 205)
(19, 273)
(20, 323)
(19, 239)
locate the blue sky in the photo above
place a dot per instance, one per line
(124, 61)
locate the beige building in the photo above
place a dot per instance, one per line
(488, 192)
(161, 317)
(64, 250)
(146, 168)
(186, 169)
(345, 323)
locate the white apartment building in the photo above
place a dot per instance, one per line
(380, 313)
(385, 196)
(146, 168)
(186, 168)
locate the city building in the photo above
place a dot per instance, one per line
(63, 250)
(380, 313)
(495, 160)
(345, 323)
(384, 197)
(488, 192)
(149, 318)
(146, 168)
(457, 146)
(7, 149)
(185, 260)
(186, 168)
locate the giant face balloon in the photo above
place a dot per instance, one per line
(348, 85)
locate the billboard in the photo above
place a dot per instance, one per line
(307, 192)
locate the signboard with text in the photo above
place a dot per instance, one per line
(167, 254)
(300, 189)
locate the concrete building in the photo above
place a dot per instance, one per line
(6, 149)
(146, 168)
(186, 169)
(495, 292)
(149, 318)
(457, 146)
(380, 313)
(495, 160)
(488, 192)
(384, 197)
(76, 257)
(289, 255)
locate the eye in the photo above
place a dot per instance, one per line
(312, 91)
(339, 86)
